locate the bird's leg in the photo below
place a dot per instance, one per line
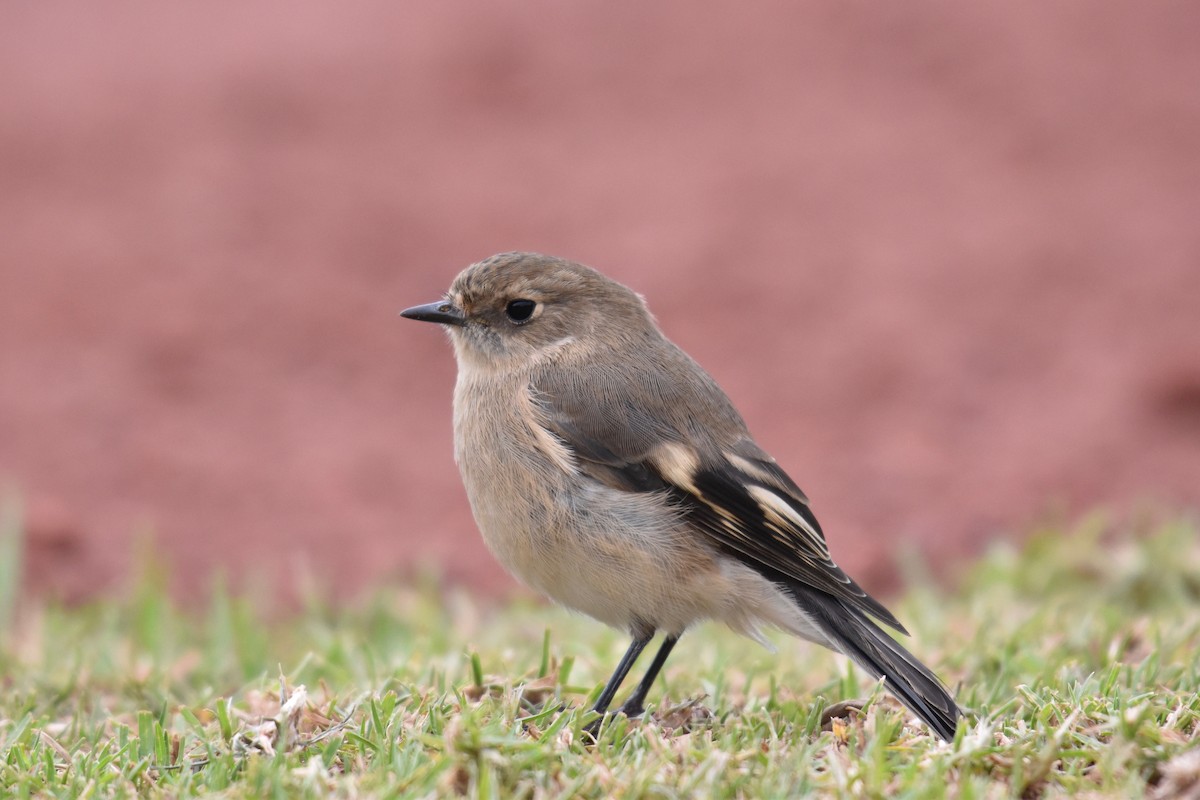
(636, 647)
(634, 706)
(631, 655)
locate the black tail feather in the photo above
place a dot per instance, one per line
(871, 648)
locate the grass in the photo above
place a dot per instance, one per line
(1076, 656)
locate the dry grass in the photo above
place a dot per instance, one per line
(1076, 657)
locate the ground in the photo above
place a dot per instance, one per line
(1073, 658)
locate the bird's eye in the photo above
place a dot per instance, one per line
(520, 310)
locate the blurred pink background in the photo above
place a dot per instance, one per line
(944, 256)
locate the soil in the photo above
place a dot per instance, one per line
(944, 256)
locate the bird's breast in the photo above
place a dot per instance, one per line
(608, 553)
(516, 473)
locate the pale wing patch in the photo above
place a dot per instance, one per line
(777, 510)
(677, 463)
(750, 468)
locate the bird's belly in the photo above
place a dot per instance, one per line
(624, 558)
(615, 556)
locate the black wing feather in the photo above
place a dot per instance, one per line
(718, 501)
(730, 491)
(746, 532)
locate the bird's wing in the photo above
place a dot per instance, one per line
(685, 438)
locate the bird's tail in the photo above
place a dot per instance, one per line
(874, 650)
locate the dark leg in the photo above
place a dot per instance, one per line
(614, 683)
(634, 705)
(636, 647)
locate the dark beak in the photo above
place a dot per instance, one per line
(442, 312)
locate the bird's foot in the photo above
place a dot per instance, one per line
(593, 728)
(591, 731)
(633, 711)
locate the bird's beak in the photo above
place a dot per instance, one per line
(441, 311)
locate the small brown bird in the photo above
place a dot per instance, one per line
(608, 471)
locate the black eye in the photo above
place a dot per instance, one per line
(520, 310)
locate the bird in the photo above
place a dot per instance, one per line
(607, 470)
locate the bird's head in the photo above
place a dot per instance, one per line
(524, 307)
